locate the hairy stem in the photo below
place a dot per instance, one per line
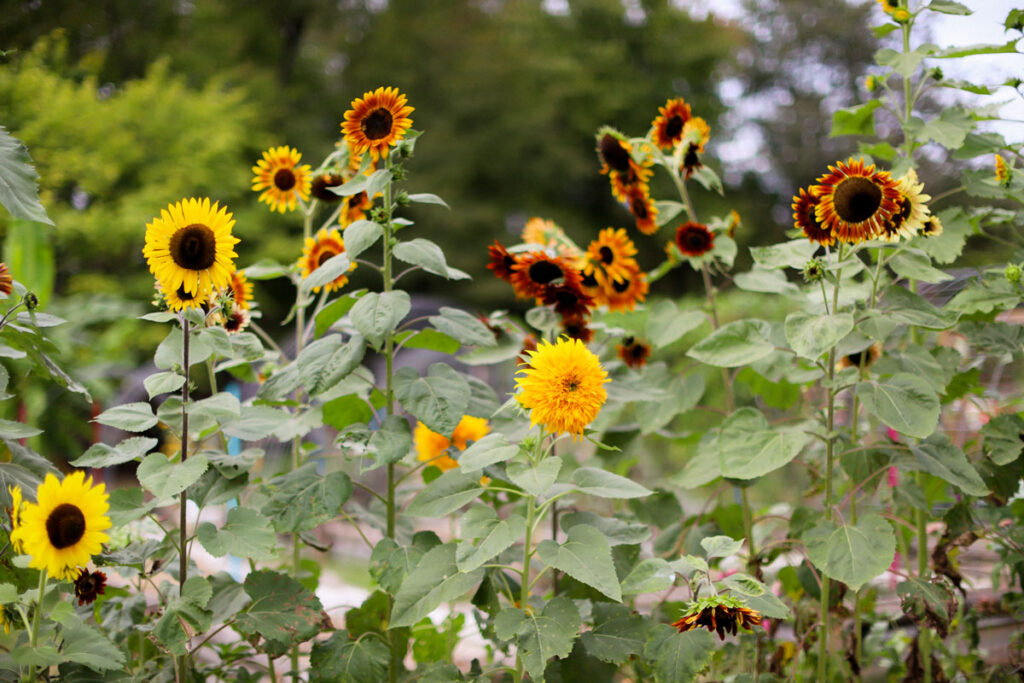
(182, 669)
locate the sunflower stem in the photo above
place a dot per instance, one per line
(34, 636)
(182, 668)
(524, 583)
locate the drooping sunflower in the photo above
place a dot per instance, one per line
(912, 212)
(634, 352)
(190, 245)
(667, 127)
(431, 446)
(241, 289)
(281, 178)
(625, 294)
(721, 613)
(6, 281)
(690, 150)
(321, 184)
(617, 162)
(805, 217)
(932, 227)
(855, 200)
(534, 270)
(178, 299)
(640, 204)
(694, 239)
(861, 359)
(318, 250)
(501, 261)
(377, 121)
(610, 256)
(65, 528)
(570, 301)
(563, 387)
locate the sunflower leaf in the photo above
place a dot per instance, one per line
(463, 327)
(428, 256)
(165, 479)
(585, 556)
(427, 198)
(18, 191)
(940, 456)
(360, 236)
(377, 314)
(131, 417)
(103, 455)
(435, 580)
(540, 635)
(738, 343)
(812, 335)
(904, 402)
(328, 271)
(246, 533)
(852, 553)
(446, 494)
(438, 400)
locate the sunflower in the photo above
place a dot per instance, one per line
(240, 289)
(625, 294)
(89, 586)
(570, 301)
(806, 218)
(855, 201)
(932, 227)
(861, 359)
(320, 189)
(191, 245)
(889, 6)
(376, 121)
(576, 328)
(65, 528)
(534, 270)
(634, 352)
(667, 127)
(354, 209)
(281, 178)
(721, 613)
(614, 150)
(431, 446)
(529, 344)
(694, 239)
(6, 281)
(501, 261)
(1002, 171)
(610, 256)
(15, 513)
(696, 134)
(318, 250)
(912, 213)
(549, 234)
(734, 224)
(235, 320)
(638, 200)
(563, 387)
(178, 299)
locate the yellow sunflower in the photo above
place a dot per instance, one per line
(281, 178)
(610, 256)
(563, 387)
(178, 299)
(318, 250)
(431, 446)
(377, 120)
(320, 187)
(65, 528)
(932, 227)
(241, 290)
(354, 208)
(190, 245)
(806, 219)
(640, 204)
(6, 281)
(855, 200)
(912, 213)
(667, 127)
(625, 294)
(549, 234)
(15, 513)
(889, 6)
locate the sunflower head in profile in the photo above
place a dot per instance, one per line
(694, 239)
(500, 261)
(377, 121)
(805, 218)
(190, 245)
(932, 226)
(320, 188)
(576, 328)
(614, 151)
(912, 211)
(690, 150)
(610, 256)
(241, 290)
(563, 387)
(855, 200)
(65, 527)
(864, 358)
(14, 512)
(667, 127)
(281, 178)
(634, 352)
(718, 613)
(889, 6)
(431, 447)
(569, 300)
(638, 201)
(319, 249)
(178, 299)
(535, 270)
(6, 281)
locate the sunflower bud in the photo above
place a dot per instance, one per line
(936, 73)
(871, 83)
(901, 15)
(31, 301)
(814, 270)
(402, 198)
(1012, 273)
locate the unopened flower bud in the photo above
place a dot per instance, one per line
(1012, 273)
(402, 198)
(814, 270)
(31, 301)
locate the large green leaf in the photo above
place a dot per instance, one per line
(618, 634)
(390, 443)
(792, 254)
(438, 400)
(18, 191)
(304, 499)
(430, 257)
(851, 553)
(597, 482)
(282, 610)
(856, 120)
(666, 323)
(650, 575)
(103, 455)
(87, 646)
(436, 579)
(941, 457)
(738, 343)
(327, 361)
(539, 636)
(585, 556)
(907, 307)
(533, 478)
(463, 327)
(378, 314)
(165, 479)
(677, 657)
(246, 533)
(749, 447)
(185, 616)
(446, 494)
(1004, 438)
(490, 450)
(486, 535)
(342, 659)
(904, 402)
(812, 335)
(131, 417)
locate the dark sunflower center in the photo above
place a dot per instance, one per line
(571, 384)
(673, 127)
(65, 526)
(356, 200)
(321, 184)
(620, 286)
(193, 247)
(234, 322)
(638, 351)
(284, 179)
(377, 124)
(324, 257)
(544, 272)
(566, 297)
(607, 255)
(613, 154)
(639, 208)
(183, 295)
(696, 240)
(856, 358)
(857, 199)
(589, 280)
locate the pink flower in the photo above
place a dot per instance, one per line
(894, 477)
(892, 434)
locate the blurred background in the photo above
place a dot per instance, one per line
(129, 105)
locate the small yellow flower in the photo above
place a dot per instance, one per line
(562, 387)
(1002, 171)
(15, 513)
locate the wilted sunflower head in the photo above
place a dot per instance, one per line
(721, 613)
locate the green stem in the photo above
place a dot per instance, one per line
(34, 636)
(182, 668)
